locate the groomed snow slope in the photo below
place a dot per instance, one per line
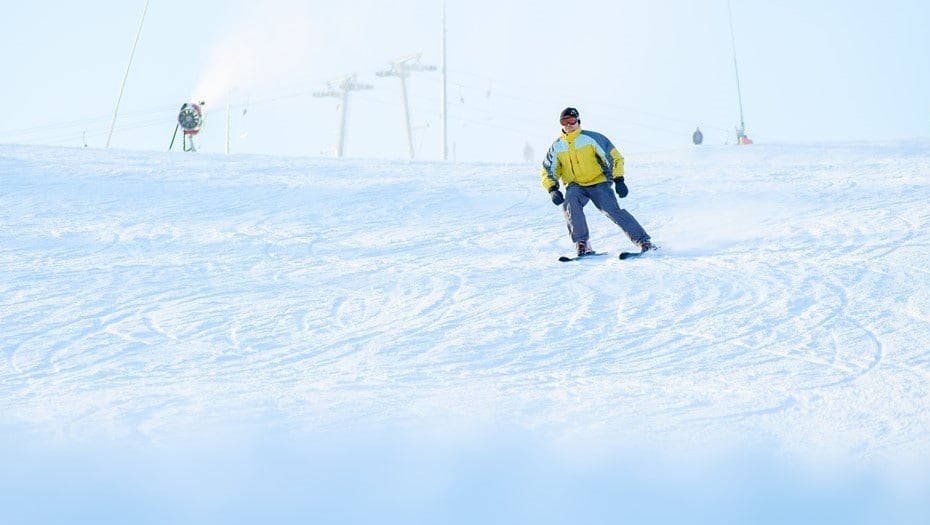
(150, 296)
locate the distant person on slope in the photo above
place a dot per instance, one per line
(697, 137)
(587, 162)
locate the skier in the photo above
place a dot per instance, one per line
(587, 162)
(697, 137)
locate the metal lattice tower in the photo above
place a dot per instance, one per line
(340, 88)
(401, 68)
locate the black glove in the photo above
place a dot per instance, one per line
(620, 187)
(556, 196)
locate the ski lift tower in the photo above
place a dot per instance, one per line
(340, 88)
(401, 69)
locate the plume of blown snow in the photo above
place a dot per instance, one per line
(265, 48)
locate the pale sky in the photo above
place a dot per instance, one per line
(644, 72)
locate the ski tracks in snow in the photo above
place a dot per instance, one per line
(788, 298)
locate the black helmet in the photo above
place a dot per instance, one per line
(569, 112)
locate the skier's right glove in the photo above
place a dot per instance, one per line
(556, 196)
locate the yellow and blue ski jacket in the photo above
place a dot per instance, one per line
(582, 157)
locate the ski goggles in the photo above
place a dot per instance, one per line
(566, 121)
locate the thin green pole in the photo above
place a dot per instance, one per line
(742, 125)
(132, 52)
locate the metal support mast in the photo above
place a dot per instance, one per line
(401, 68)
(445, 106)
(228, 120)
(122, 88)
(741, 132)
(340, 88)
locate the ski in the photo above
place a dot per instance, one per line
(629, 255)
(565, 258)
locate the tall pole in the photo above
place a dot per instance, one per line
(401, 68)
(340, 88)
(132, 53)
(343, 117)
(742, 125)
(403, 92)
(228, 109)
(445, 106)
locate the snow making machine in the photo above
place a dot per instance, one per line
(190, 120)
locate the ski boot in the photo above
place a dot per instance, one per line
(583, 248)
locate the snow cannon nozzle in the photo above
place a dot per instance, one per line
(190, 118)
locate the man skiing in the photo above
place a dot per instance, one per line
(587, 162)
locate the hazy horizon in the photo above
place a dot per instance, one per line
(646, 76)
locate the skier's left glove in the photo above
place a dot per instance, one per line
(556, 196)
(620, 187)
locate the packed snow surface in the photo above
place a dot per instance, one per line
(148, 299)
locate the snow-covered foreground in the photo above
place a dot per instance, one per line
(246, 339)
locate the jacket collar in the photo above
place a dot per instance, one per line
(573, 135)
